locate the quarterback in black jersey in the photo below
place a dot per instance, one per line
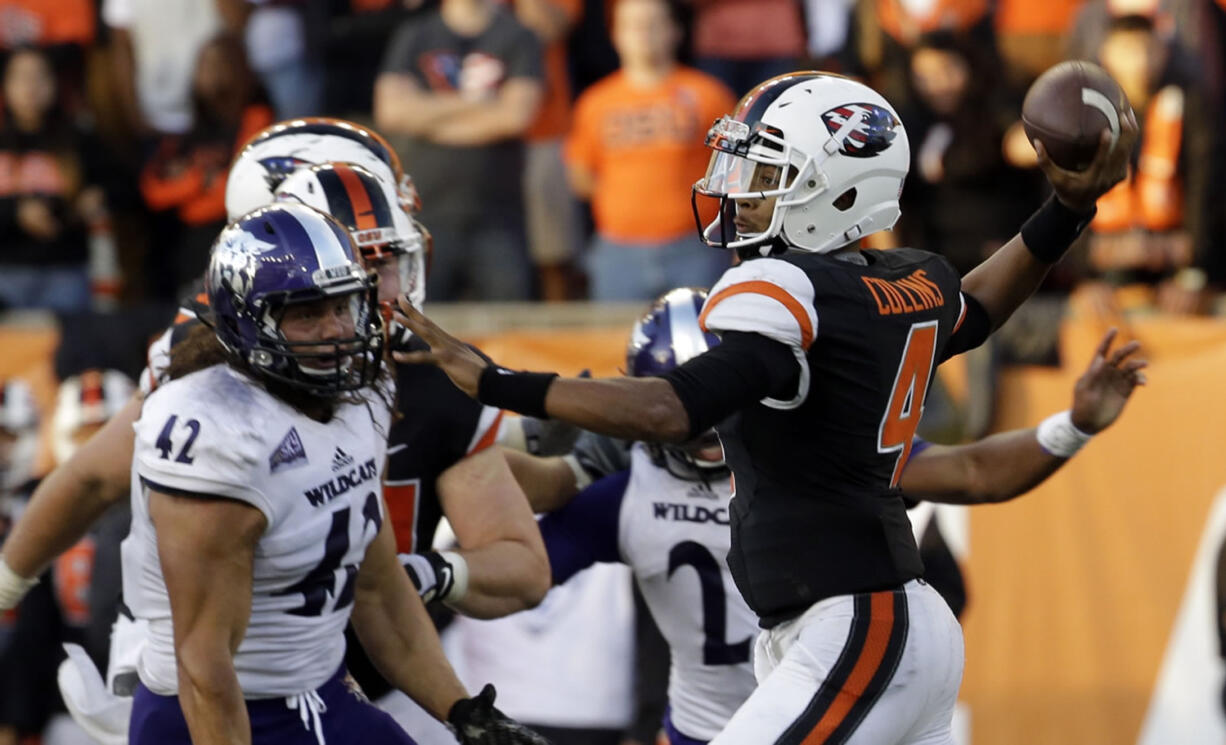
(816, 390)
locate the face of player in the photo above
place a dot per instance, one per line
(388, 271)
(326, 321)
(753, 215)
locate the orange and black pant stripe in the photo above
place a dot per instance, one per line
(863, 671)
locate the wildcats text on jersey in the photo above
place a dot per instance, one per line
(690, 513)
(911, 294)
(341, 483)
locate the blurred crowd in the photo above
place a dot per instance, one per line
(554, 142)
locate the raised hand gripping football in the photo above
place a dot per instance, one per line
(1080, 190)
(1105, 386)
(449, 354)
(475, 721)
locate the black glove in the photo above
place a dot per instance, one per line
(475, 721)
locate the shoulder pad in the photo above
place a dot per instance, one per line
(189, 440)
(763, 296)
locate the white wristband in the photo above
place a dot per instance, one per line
(1057, 435)
(459, 577)
(582, 477)
(13, 587)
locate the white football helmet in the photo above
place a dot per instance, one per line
(279, 150)
(90, 398)
(840, 153)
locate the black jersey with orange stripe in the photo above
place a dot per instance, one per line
(817, 511)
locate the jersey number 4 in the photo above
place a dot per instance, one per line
(902, 413)
(715, 651)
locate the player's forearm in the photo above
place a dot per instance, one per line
(548, 483)
(504, 577)
(210, 696)
(629, 408)
(1005, 280)
(72, 497)
(1009, 276)
(62, 509)
(994, 469)
(397, 633)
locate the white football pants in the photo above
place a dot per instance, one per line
(870, 669)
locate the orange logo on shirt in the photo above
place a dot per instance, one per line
(911, 294)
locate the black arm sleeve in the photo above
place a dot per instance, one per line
(743, 369)
(975, 328)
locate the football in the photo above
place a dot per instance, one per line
(1067, 109)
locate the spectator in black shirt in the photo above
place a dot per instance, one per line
(49, 193)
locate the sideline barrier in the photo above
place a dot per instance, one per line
(1074, 588)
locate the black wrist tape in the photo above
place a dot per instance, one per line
(521, 392)
(1050, 231)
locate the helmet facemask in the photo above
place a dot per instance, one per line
(323, 368)
(751, 163)
(849, 153)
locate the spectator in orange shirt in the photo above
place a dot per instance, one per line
(635, 150)
(186, 177)
(551, 214)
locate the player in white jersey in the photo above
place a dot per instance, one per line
(259, 528)
(663, 510)
(72, 497)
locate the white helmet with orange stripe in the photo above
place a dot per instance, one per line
(274, 153)
(808, 161)
(392, 244)
(85, 402)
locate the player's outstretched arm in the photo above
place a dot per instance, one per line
(207, 551)
(1006, 278)
(744, 368)
(1009, 464)
(508, 569)
(630, 408)
(395, 630)
(68, 501)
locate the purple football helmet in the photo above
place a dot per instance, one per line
(667, 336)
(286, 254)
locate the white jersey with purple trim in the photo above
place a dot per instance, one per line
(216, 432)
(674, 535)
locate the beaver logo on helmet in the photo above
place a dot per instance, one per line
(873, 132)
